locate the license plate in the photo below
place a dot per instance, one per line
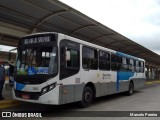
(25, 96)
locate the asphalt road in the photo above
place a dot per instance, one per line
(146, 99)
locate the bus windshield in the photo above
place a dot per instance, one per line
(36, 60)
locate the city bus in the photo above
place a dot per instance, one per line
(53, 68)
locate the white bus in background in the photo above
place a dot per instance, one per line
(53, 68)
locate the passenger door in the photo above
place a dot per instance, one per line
(69, 67)
(69, 71)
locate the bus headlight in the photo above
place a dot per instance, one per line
(44, 90)
(48, 88)
(52, 86)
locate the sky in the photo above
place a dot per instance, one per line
(6, 48)
(138, 20)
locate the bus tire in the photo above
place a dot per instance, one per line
(130, 89)
(87, 97)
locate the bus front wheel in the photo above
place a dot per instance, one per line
(87, 97)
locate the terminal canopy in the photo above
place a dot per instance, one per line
(21, 17)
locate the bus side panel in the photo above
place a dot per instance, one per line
(108, 82)
(104, 89)
(70, 93)
(123, 85)
(66, 94)
(112, 88)
(138, 82)
(78, 92)
(98, 89)
(123, 78)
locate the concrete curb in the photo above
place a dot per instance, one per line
(152, 82)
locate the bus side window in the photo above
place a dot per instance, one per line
(89, 58)
(137, 66)
(141, 67)
(115, 62)
(124, 66)
(104, 60)
(131, 65)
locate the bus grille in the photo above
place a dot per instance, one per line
(32, 95)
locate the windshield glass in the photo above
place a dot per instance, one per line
(37, 60)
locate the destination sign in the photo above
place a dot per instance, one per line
(40, 39)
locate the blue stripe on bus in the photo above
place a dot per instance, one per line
(121, 75)
(19, 86)
(126, 55)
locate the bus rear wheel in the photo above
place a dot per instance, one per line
(87, 97)
(130, 89)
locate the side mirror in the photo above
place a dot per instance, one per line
(68, 55)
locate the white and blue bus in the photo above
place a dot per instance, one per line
(53, 68)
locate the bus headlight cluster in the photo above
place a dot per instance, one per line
(48, 88)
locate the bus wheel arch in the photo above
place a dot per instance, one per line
(88, 95)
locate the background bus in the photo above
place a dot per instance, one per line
(53, 68)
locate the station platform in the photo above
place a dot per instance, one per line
(9, 101)
(7, 94)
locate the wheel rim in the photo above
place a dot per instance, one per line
(87, 97)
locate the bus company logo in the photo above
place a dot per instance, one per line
(17, 114)
(6, 114)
